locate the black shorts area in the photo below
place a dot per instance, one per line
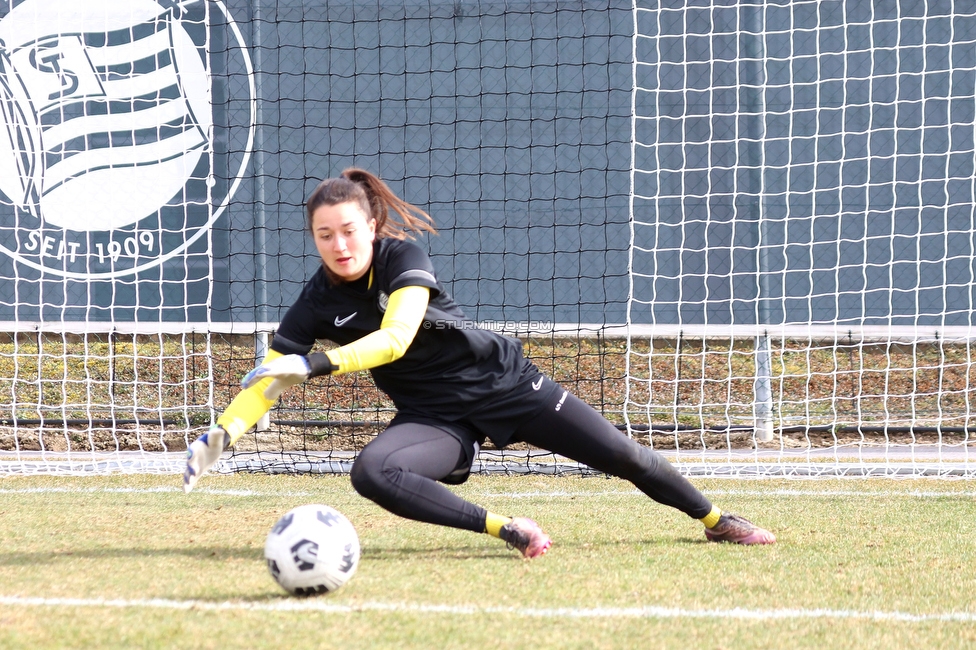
(497, 419)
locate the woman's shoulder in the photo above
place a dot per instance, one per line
(401, 263)
(400, 254)
(391, 245)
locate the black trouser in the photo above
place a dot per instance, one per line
(400, 469)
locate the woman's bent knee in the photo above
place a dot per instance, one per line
(366, 478)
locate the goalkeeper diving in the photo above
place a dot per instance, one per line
(454, 385)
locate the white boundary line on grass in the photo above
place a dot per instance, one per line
(741, 493)
(155, 490)
(289, 605)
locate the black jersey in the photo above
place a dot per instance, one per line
(451, 368)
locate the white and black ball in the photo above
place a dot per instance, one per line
(312, 549)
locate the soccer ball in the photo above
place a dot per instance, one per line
(311, 550)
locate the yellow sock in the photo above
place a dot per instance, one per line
(711, 518)
(494, 523)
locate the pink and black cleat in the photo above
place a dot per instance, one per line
(738, 530)
(526, 536)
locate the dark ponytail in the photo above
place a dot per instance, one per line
(394, 217)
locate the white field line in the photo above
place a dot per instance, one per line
(289, 605)
(154, 490)
(539, 494)
(919, 494)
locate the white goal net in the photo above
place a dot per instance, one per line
(743, 231)
(803, 236)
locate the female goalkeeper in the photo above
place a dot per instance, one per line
(453, 384)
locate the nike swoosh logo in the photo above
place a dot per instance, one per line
(339, 322)
(536, 385)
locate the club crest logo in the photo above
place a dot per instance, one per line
(108, 163)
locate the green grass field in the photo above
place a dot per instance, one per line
(132, 562)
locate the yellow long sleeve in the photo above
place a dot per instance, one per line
(248, 407)
(404, 314)
(405, 311)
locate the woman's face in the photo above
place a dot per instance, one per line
(344, 238)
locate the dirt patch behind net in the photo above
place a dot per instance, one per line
(352, 439)
(691, 394)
